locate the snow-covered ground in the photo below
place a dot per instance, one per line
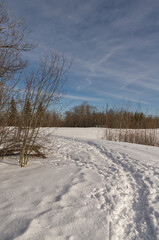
(86, 189)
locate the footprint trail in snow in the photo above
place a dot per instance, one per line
(125, 193)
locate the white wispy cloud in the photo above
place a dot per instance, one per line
(82, 98)
(114, 43)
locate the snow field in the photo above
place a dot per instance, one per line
(86, 189)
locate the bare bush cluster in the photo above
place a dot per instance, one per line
(138, 136)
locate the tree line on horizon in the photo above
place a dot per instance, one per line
(83, 115)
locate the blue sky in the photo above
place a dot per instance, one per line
(114, 45)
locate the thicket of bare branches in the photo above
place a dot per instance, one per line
(138, 136)
(12, 44)
(41, 89)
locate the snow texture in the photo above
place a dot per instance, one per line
(86, 189)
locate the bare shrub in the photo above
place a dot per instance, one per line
(138, 136)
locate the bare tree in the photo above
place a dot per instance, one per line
(42, 89)
(13, 44)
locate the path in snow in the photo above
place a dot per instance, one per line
(127, 193)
